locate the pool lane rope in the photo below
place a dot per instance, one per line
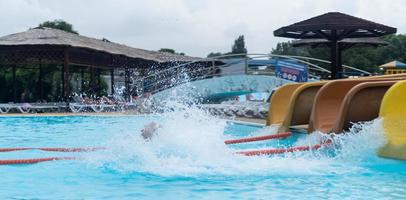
(80, 149)
(88, 149)
(245, 153)
(285, 150)
(235, 141)
(259, 138)
(33, 160)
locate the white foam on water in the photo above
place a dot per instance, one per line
(190, 142)
(361, 142)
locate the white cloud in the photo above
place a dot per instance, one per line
(195, 27)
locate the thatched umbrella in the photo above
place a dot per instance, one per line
(334, 27)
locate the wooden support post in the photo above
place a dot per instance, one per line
(82, 80)
(41, 89)
(14, 84)
(65, 75)
(112, 80)
(127, 83)
(335, 57)
(340, 69)
(98, 82)
(63, 83)
(92, 87)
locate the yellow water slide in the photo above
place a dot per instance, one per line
(279, 103)
(393, 112)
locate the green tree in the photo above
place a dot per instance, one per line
(366, 58)
(286, 48)
(167, 50)
(239, 46)
(59, 24)
(172, 51)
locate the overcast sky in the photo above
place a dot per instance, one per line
(195, 27)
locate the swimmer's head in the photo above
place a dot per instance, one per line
(148, 130)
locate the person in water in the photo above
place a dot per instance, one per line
(149, 130)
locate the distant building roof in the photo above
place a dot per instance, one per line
(393, 64)
(49, 36)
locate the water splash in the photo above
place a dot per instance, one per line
(190, 142)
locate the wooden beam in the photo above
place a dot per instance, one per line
(328, 37)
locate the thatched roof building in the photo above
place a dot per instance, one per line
(48, 37)
(72, 53)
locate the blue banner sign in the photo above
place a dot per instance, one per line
(291, 70)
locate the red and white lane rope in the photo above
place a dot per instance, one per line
(33, 160)
(284, 150)
(259, 138)
(79, 149)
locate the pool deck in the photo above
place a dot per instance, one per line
(251, 120)
(69, 114)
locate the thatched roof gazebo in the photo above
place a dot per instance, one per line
(334, 27)
(42, 46)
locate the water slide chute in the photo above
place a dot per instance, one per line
(361, 103)
(300, 105)
(279, 103)
(393, 112)
(328, 101)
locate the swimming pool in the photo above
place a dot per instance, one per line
(188, 160)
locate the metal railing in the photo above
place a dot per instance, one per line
(182, 73)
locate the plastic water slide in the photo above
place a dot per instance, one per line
(292, 104)
(362, 103)
(279, 103)
(393, 112)
(330, 98)
(300, 105)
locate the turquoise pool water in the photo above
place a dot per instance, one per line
(188, 160)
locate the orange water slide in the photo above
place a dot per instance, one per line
(361, 103)
(300, 105)
(328, 101)
(279, 103)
